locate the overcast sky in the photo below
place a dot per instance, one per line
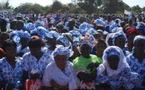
(16, 3)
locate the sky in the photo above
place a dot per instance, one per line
(16, 3)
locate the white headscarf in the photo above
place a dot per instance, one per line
(139, 37)
(61, 50)
(113, 50)
(109, 36)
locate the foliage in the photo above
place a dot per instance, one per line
(137, 9)
(81, 6)
(29, 8)
(56, 6)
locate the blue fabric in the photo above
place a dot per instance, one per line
(9, 74)
(30, 63)
(126, 78)
(40, 31)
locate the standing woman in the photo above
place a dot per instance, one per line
(136, 59)
(10, 67)
(59, 74)
(114, 73)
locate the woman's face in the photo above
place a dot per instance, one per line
(60, 61)
(120, 42)
(51, 42)
(113, 62)
(85, 50)
(98, 36)
(35, 50)
(100, 47)
(139, 47)
(24, 42)
(10, 51)
(130, 42)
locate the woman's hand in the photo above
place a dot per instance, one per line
(9, 87)
(56, 86)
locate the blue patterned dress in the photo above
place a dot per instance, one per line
(31, 63)
(125, 78)
(137, 66)
(8, 74)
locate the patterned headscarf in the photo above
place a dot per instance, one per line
(118, 34)
(109, 39)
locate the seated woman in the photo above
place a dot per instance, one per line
(100, 47)
(119, 39)
(10, 67)
(114, 73)
(36, 59)
(59, 74)
(136, 59)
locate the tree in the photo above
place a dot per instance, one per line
(56, 6)
(5, 5)
(29, 8)
(122, 6)
(137, 9)
(143, 9)
(90, 6)
(111, 6)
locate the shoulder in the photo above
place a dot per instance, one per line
(50, 66)
(2, 60)
(100, 69)
(93, 55)
(70, 63)
(130, 58)
(95, 58)
(28, 54)
(76, 60)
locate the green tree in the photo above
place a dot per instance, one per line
(111, 6)
(137, 9)
(29, 8)
(56, 6)
(90, 6)
(122, 6)
(143, 8)
(5, 5)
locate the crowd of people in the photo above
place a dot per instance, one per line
(72, 52)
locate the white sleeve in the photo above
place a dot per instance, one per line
(25, 64)
(47, 77)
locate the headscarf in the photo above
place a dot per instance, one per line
(40, 31)
(109, 39)
(100, 22)
(118, 34)
(52, 35)
(138, 38)
(84, 27)
(29, 26)
(63, 40)
(61, 50)
(132, 31)
(113, 50)
(18, 35)
(88, 39)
